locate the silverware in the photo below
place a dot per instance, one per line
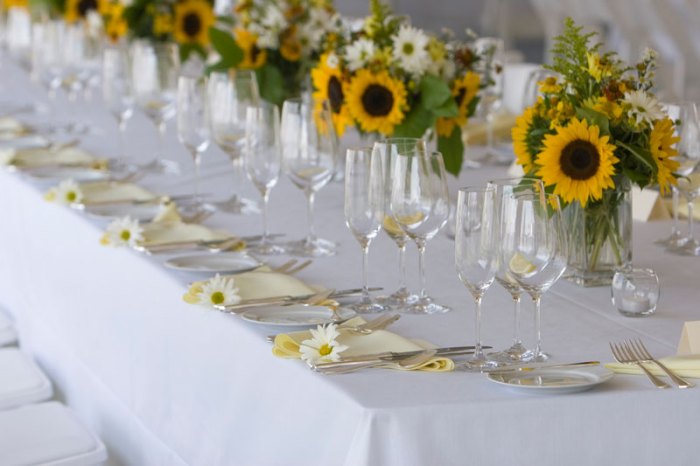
(283, 299)
(217, 245)
(284, 267)
(303, 265)
(623, 355)
(408, 363)
(364, 329)
(152, 200)
(505, 370)
(640, 352)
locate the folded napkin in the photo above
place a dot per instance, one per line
(687, 365)
(108, 191)
(10, 127)
(176, 231)
(257, 284)
(38, 157)
(474, 134)
(379, 341)
(683, 208)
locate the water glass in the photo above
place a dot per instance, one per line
(635, 292)
(116, 91)
(192, 122)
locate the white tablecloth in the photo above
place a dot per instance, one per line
(166, 383)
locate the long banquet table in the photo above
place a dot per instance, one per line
(167, 383)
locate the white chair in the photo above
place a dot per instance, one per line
(47, 434)
(21, 380)
(8, 336)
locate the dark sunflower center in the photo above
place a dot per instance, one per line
(254, 53)
(580, 160)
(377, 100)
(335, 94)
(460, 96)
(86, 5)
(192, 24)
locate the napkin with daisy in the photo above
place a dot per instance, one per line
(331, 343)
(43, 156)
(97, 192)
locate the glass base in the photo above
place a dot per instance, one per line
(317, 248)
(162, 167)
(238, 205)
(530, 356)
(399, 301)
(690, 248)
(478, 364)
(515, 353)
(426, 306)
(267, 249)
(367, 308)
(674, 240)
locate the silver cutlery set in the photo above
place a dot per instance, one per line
(634, 352)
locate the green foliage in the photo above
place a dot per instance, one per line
(225, 45)
(452, 149)
(437, 97)
(271, 84)
(139, 19)
(594, 118)
(571, 51)
(416, 122)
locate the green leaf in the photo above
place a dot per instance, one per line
(642, 155)
(452, 149)
(434, 92)
(448, 109)
(594, 118)
(416, 122)
(228, 49)
(271, 83)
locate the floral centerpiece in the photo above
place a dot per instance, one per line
(596, 129)
(392, 79)
(279, 39)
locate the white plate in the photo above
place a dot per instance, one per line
(231, 262)
(294, 316)
(554, 380)
(142, 212)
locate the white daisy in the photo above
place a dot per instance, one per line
(274, 18)
(219, 290)
(332, 60)
(359, 53)
(322, 347)
(123, 232)
(649, 54)
(67, 192)
(410, 50)
(644, 107)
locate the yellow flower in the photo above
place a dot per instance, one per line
(598, 68)
(328, 82)
(253, 56)
(193, 18)
(376, 101)
(609, 108)
(520, 133)
(549, 85)
(578, 161)
(78, 9)
(115, 25)
(7, 4)
(290, 48)
(463, 90)
(162, 23)
(661, 143)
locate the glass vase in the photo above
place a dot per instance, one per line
(600, 240)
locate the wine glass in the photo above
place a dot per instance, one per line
(491, 67)
(116, 91)
(192, 122)
(503, 190)
(689, 157)
(476, 257)
(309, 149)
(229, 96)
(420, 205)
(263, 160)
(533, 249)
(389, 149)
(154, 71)
(364, 210)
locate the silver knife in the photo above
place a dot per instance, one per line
(511, 369)
(375, 324)
(274, 300)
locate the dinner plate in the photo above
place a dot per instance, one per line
(553, 380)
(295, 315)
(143, 212)
(231, 262)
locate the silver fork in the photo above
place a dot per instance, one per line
(623, 355)
(286, 266)
(641, 352)
(299, 267)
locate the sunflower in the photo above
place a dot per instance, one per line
(7, 4)
(376, 101)
(549, 85)
(253, 56)
(78, 9)
(463, 90)
(116, 28)
(520, 132)
(162, 24)
(328, 82)
(578, 161)
(290, 47)
(661, 141)
(192, 21)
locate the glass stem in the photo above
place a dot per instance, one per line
(489, 130)
(675, 196)
(402, 267)
(237, 163)
(538, 330)
(197, 162)
(691, 223)
(516, 323)
(122, 139)
(478, 352)
(421, 268)
(265, 198)
(310, 198)
(162, 128)
(365, 269)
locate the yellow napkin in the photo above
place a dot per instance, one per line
(38, 157)
(687, 365)
(474, 134)
(10, 128)
(258, 284)
(683, 208)
(108, 191)
(379, 341)
(175, 231)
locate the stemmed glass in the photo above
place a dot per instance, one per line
(263, 160)
(154, 71)
(389, 149)
(192, 122)
(491, 67)
(420, 205)
(476, 256)
(688, 184)
(309, 149)
(503, 190)
(533, 249)
(364, 210)
(116, 92)
(229, 96)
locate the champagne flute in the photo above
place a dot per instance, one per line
(533, 249)
(420, 205)
(309, 149)
(154, 70)
(364, 210)
(688, 157)
(192, 122)
(116, 92)
(263, 160)
(389, 149)
(503, 190)
(229, 96)
(476, 257)
(491, 68)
